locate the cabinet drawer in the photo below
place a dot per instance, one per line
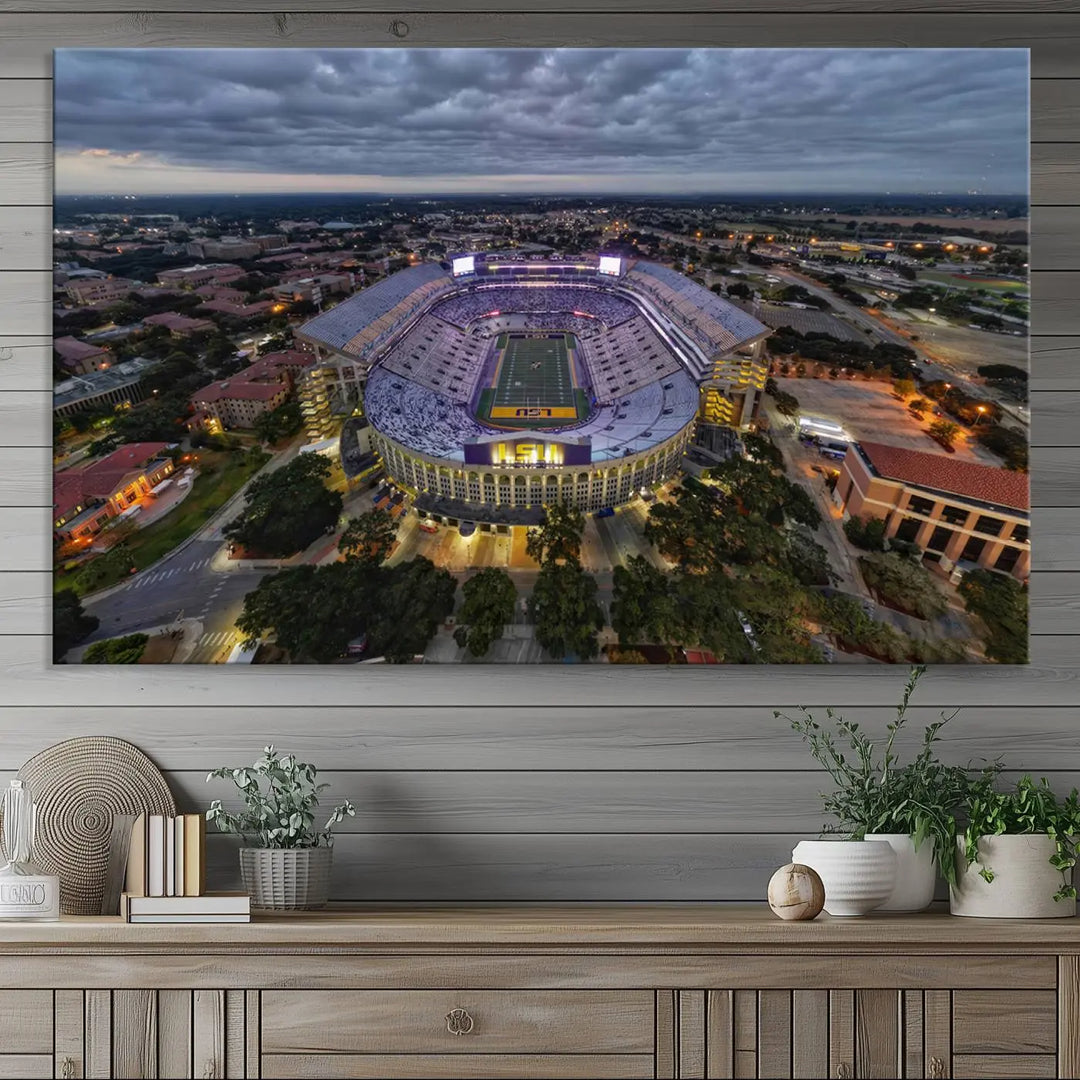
(425, 1021)
(1004, 1066)
(458, 1066)
(1004, 1022)
(26, 1022)
(26, 1066)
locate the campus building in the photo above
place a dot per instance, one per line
(191, 277)
(179, 326)
(238, 401)
(86, 497)
(117, 387)
(79, 357)
(961, 514)
(97, 290)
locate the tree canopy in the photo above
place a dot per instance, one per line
(70, 623)
(489, 598)
(287, 509)
(564, 608)
(558, 539)
(368, 538)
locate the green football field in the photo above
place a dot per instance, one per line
(535, 371)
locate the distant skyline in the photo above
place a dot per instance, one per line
(414, 122)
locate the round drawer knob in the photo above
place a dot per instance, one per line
(459, 1022)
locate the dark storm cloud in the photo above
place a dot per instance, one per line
(635, 120)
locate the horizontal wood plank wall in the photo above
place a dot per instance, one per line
(539, 784)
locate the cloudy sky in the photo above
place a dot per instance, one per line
(661, 121)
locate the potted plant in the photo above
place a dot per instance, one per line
(284, 858)
(1016, 853)
(877, 799)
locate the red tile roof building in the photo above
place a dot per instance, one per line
(79, 356)
(238, 401)
(178, 325)
(85, 497)
(192, 277)
(958, 512)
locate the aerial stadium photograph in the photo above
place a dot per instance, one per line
(606, 356)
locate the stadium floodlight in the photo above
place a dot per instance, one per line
(610, 264)
(464, 264)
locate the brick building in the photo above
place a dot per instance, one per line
(959, 512)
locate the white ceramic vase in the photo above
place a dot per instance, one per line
(1024, 881)
(916, 872)
(858, 875)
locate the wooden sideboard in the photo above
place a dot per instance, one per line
(530, 992)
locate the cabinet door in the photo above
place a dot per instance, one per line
(881, 1034)
(990, 1033)
(795, 1034)
(149, 1034)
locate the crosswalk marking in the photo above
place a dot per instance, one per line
(215, 639)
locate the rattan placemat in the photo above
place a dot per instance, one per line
(78, 785)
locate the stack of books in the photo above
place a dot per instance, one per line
(166, 874)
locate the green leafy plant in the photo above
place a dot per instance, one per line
(281, 796)
(875, 792)
(1026, 809)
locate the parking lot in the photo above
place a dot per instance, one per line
(868, 410)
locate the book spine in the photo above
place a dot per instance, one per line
(179, 870)
(194, 855)
(170, 856)
(155, 855)
(136, 867)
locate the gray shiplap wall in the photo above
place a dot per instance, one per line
(539, 784)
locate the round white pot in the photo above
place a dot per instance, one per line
(916, 872)
(287, 879)
(858, 875)
(1024, 881)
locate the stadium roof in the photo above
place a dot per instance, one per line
(726, 325)
(336, 327)
(984, 483)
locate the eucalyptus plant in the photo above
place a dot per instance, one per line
(1028, 808)
(875, 791)
(281, 796)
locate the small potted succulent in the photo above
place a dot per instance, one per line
(897, 817)
(1016, 853)
(285, 858)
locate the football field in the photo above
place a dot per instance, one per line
(535, 372)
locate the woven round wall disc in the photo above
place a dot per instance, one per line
(78, 785)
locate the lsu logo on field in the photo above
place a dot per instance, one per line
(533, 412)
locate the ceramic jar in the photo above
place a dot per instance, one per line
(858, 875)
(1024, 881)
(916, 872)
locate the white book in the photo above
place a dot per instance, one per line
(155, 855)
(189, 918)
(179, 870)
(170, 856)
(207, 904)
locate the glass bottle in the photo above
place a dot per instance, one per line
(26, 892)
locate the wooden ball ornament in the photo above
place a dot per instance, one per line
(796, 893)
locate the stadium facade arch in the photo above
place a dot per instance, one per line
(494, 385)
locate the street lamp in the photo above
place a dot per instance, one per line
(981, 410)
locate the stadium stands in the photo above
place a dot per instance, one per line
(717, 325)
(362, 324)
(441, 357)
(418, 416)
(466, 308)
(625, 357)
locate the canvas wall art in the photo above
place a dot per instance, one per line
(691, 356)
